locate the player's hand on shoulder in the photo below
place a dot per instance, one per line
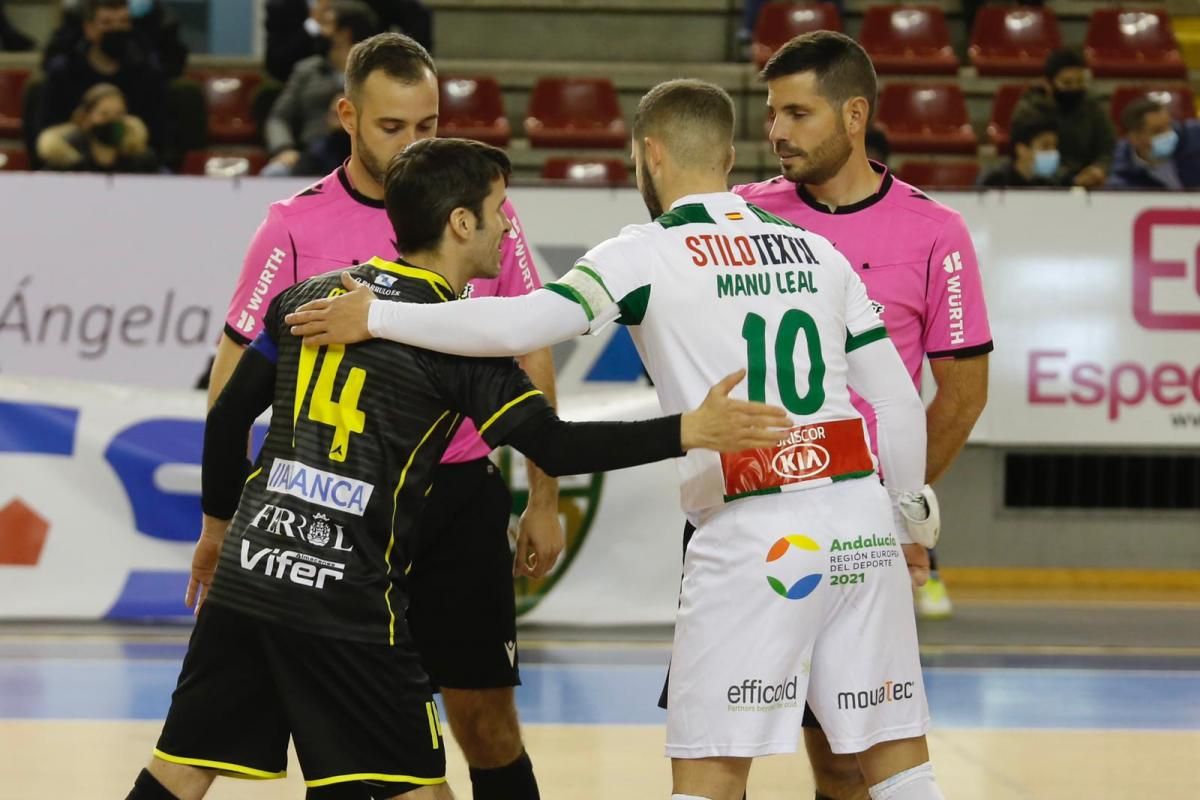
(334, 320)
(727, 425)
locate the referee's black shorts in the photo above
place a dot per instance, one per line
(809, 720)
(360, 714)
(462, 606)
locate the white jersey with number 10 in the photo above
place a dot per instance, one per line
(715, 285)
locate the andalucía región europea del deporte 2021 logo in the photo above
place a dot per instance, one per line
(802, 587)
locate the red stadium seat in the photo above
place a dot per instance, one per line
(1178, 99)
(473, 108)
(606, 171)
(12, 85)
(229, 96)
(1013, 41)
(13, 159)
(1133, 44)
(778, 22)
(196, 162)
(926, 118)
(908, 40)
(939, 174)
(575, 112)
(1003, 106)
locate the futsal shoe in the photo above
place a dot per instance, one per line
(932, 600)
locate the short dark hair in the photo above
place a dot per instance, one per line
(1027, 127)
(399, 56)
(430, 178)
(357, 17)
(1133, 116)
(695, 120)
(843, 69)
(1065, 58)
(89, 8)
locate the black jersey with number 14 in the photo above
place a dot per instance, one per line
(322, 535)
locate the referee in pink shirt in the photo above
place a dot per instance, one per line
(467, 640)
(914, 255)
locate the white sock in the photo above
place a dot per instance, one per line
(687, 797)
(912, 784)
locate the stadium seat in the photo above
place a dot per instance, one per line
(473, 108)
(575, 112)
(926, 118)
(12, 85)
(1003, 106)
(606, 171)
(13, 159)
(780, 21)
(229, 96)
(224, 163)
(1132, 44)
(940, 174)
(908, 40)
(1178, 99)
(1013, 41)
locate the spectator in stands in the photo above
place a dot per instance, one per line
(325, 153)
(106, 53)
(879, 149)
(12, 39)
(1085, 133)
(155, 31)
(300, 115)
(101, 137)
(293, 27)
(1157, 151)
(1035, 159)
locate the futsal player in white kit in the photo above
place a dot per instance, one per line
(794, 586)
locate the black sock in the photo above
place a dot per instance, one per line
(147, 787)
(513, 782)
(933, 561)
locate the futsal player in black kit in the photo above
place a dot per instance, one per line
(302, 632)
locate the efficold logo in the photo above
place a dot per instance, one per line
(804, 586)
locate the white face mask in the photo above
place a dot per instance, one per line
(1163, 145)
(1045, 163)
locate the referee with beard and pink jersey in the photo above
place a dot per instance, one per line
(914, 255)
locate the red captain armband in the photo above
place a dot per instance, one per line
(808, 455)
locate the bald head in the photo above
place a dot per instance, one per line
(693, 121)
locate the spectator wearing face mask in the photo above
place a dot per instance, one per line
(101, 137)
(1035, 159)
(299, 116)
(155, 30)
(1157, 151)
(106, 53)
(1085, 133)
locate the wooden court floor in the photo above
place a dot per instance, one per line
(87, 759)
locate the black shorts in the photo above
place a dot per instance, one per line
(462, 608)
(809, 719)
(359, 713)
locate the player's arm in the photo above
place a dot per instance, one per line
(720, 423)
(611, 282)
(957, 339)
(247, 394)
(484, 326)
(540, 537)
(962, 385)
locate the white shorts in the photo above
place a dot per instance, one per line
(788, 597)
